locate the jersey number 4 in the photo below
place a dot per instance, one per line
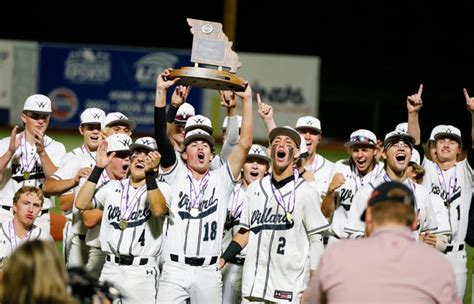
(213, 231)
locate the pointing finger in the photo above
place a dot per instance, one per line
(466, 94)
(259, 100)
(420, 89)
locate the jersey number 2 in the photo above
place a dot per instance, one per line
(213, 233)
(281, 245)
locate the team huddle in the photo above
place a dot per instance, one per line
(166, 220)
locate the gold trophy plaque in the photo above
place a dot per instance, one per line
(211, 47)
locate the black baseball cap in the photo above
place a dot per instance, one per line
(384, 193)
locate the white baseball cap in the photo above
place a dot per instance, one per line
(287, 131)
(147, 142)
(118, 142)
(396, 136)
(92, 116)
(449, 132)
(415, 157)
(198, 134)
(224, 124)
(199, 122)
(115, 118)
(37, 103)
(403, 127)
(361, 137)
(258, 151)
(185, 111)
(308, 122)
(435, 131)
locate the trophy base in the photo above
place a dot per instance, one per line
(208, 78)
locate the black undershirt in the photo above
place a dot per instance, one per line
(283, 182)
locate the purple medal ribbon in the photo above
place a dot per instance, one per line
(195, 197)
(453, 181)
(27, 165)
(237, 204)
(12, 233)
(288, 206)
(126, 207)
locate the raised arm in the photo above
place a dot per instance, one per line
(84, 198)
(179, 97)
(239, 153)
(228, 100)
(164, 144)
(155, 197)
(266, 113)
(328, 206)
(470, 107)
(414, 104)
(53, 186)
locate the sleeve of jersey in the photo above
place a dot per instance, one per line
(354, 226)
(56, 153)
(314, 220)
(440, 213)
(245, 215)
(68, 168)
(166, 191)
(100, 197)
(232, 138)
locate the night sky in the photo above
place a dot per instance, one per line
(373, 54)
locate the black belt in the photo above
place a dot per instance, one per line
(194, 261)
(8, 208)
(450, 248)
(82, 237)
(237, 261)
(126, 260)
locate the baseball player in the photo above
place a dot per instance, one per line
(348, 177)
(178, 113)
(450, 181)
(74, 165)
(310, 128)
(119, 124)
(131, 226)
(27, 203)
(397, 154)
(29, 157)
(280, 223)
(198, 206)
(255, 167)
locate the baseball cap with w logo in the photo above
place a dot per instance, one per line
(148, 143)
(92, 116)
(118, 142)
(199, 122)
(37, 103)
(117, 118)
(308, 122)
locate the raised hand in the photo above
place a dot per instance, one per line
(162, 81)
(469, 101)
(264, 110)
(337, 181)
(180, 95)
(228, 99)
(102, 160)
(39, 141)
(247, 93)
(82, 173)
(414, 102)
(14, 140)
(152, 161)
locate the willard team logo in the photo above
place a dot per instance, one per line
(64, 104)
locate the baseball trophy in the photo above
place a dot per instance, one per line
(212, 49)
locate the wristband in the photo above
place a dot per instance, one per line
(171, 114)
(150, 181)
(95, 175)
(232, 250)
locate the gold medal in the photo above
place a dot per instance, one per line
(194, 212)
(123, 224)
(26, 175)
(289, 217)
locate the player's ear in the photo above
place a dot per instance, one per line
(184, 155)
(23, 117)
(297, 153)
(80, 130)
(384, 155)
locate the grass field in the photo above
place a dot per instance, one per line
(71, 140)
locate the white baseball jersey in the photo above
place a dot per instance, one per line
(322, 169)
(142, 236)
(234, 211)
(9, 241)
(454, 188)
(277, 249)
(24, 160)
(200, 234)
(426, 209)
(344, 195)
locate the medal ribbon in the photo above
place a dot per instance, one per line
(288, 206)
(12, 233)
(126, 207)
(237, 204)
(195, 197)
(453, 181)
(86, 151)
(27, 165)
(314, 164)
